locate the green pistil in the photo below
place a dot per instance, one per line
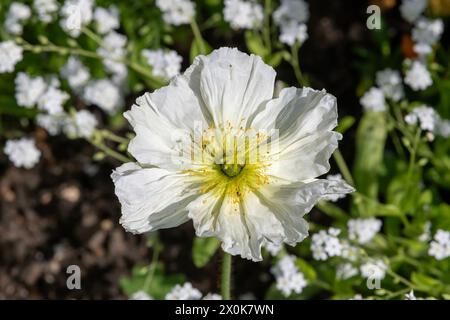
(231, 170)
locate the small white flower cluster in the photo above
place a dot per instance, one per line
(346, 271)
(22, 152)
(76, 14)
(80, 124)
(104, 94)
(17, 14)
(426, 116)
(440, 246)
(140, 295)
(188, 292)
(336, 196)
(176, 12)
(363, 230)
(76, 74)
(443, 128)
(426, 33)
(242, 14)
(46, 9)
(113, 51)
(410, 296)
(10, 55)
(426, 234)
(374, 269)
(326, 244)
(350, 252)
(389, 86)
(429, 120)
(390, 82)
(184, 292)
(165, 64)
(291, 18)
(373, 100)
(106, 19)
(417, 76)
(411, 10)
(288, 277)
(273, 248)
(212, 296)
(35, 91)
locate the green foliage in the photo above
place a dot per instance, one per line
(203, 250)
(157, 288)
(370, 143)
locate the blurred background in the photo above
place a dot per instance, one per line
(64, 212)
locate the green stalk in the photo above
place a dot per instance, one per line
(226, 277)
(266, 29)
(108, 151)
(296, 65)
(198, 36)
(343, 167)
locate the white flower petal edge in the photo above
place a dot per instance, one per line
(245, 205)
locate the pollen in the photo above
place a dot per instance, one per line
(231, 164)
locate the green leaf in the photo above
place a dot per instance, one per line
(255, 44)
(370, 143)
(196, 49)
(275, 59)
(159, 285)
(345, 123)
(306, 269)
(425, 282)
(203, 249)
(8, 106)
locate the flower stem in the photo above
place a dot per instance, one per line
(296, 65)
(266, 28)
(152, 267)
(412, 159)
(198, 36)
(226, 277)
(98, 141)
(152, 80)
(343, 167)
(113, 137)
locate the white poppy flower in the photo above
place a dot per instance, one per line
(227, 191)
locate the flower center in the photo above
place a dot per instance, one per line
(231, 170)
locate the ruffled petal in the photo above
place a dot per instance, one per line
(306, 158)
(151, 198)
(290, 202)
(242, 227)
(164, 122)
(303, 119)
(232, 84)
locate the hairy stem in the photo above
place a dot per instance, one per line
(226, 277)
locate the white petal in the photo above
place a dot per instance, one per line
(242, 228)
(151, 198)
(304, 119)
(164, 122)
(305, 158)
(297, 113)
(178, 103)
(232, 84)
(291, 202)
